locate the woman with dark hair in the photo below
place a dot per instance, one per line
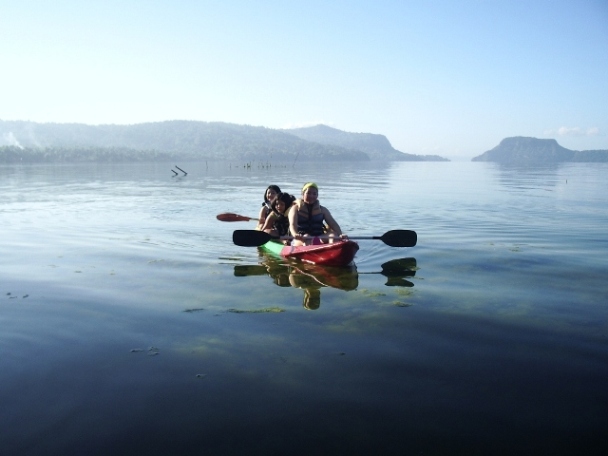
(277, 222)
(270, 195)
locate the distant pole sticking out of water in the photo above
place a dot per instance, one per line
(185, 173)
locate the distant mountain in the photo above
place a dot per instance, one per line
(377, 147)
(533, 151)
(187, 140)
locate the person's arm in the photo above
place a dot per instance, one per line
(293, 221)
(333, 225)
(269, 222)
(261, 218)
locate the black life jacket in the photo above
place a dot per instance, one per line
(310, 218)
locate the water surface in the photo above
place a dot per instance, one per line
(130, 324)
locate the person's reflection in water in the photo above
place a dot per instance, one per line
(312, 289)
(312, 298)
(281, 280)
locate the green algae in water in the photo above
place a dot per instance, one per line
(371, 293)
(404, 291)
(265, 310)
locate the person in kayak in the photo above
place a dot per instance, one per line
(270, 195)
(277, 222)
(308, 218)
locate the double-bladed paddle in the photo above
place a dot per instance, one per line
(230, 217)
(393, 238)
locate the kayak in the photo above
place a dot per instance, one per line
(339, 253)
(300, 274)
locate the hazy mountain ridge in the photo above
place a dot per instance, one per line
(521, 150)
(189, 140)
(376, 146)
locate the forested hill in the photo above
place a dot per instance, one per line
(186, 140)
(376, 146)
(533, 151)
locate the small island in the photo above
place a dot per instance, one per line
(533, 151)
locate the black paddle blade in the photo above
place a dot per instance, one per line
(398, 282)
(250, 238)
(399, 238)
(401, 267)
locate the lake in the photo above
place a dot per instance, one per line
(131, 324)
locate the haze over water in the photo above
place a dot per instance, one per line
(130, 323)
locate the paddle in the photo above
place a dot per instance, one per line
(393, 238)
(230, 217)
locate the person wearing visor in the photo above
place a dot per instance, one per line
(308, 218)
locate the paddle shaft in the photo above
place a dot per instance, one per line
(393, 238)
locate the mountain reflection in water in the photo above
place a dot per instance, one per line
(311, 278)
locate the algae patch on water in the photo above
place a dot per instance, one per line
(372, 294)
(265, 310)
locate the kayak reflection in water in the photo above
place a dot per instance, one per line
(311, 278)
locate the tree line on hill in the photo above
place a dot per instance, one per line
(30, 142)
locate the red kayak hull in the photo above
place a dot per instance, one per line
(339, 253)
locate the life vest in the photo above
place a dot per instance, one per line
(310, 218)
(281, 224)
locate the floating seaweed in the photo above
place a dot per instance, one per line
(265, 310)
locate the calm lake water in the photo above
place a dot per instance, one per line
(130, 323)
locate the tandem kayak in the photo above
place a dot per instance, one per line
(339, 253)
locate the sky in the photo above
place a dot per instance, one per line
(444, 77)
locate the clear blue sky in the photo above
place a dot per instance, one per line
(444, 77)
